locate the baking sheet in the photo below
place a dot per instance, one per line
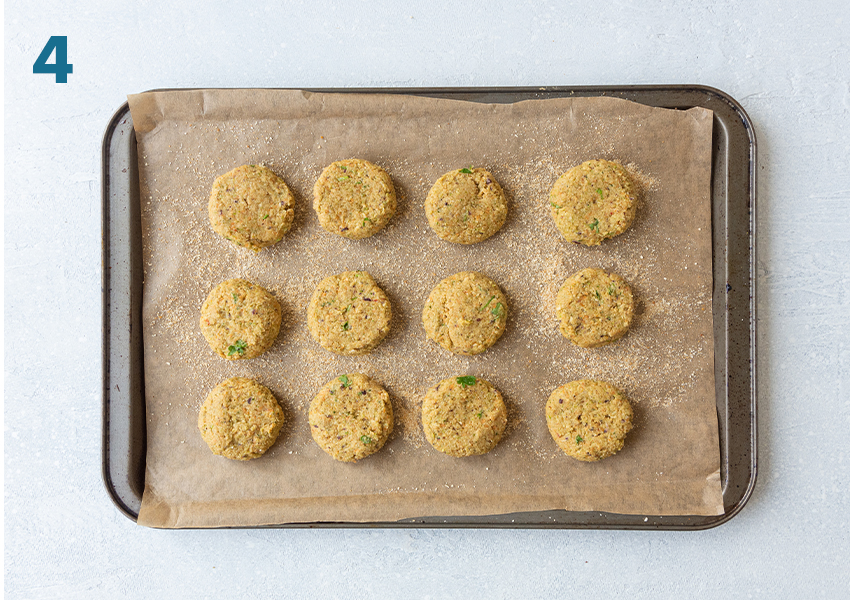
(734, 301)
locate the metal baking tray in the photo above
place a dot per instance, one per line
(734, 306)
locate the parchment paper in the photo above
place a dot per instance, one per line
(670, 464)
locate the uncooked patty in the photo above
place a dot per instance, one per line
(595, 308)
(251, 206)
(465, 313)
(466, 206)
(588, 419)
(593, 201)
(464, 416)
(354, 198)
(240, 319)
(349, 313)
(240, 419)
(351, 417)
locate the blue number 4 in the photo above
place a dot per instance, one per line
(60, 68)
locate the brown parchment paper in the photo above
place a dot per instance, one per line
(670, 464)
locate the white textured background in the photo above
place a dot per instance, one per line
(788, 63)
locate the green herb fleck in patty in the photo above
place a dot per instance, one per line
(238, 347)
(466, 381)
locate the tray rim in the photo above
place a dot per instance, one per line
(596, 519)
